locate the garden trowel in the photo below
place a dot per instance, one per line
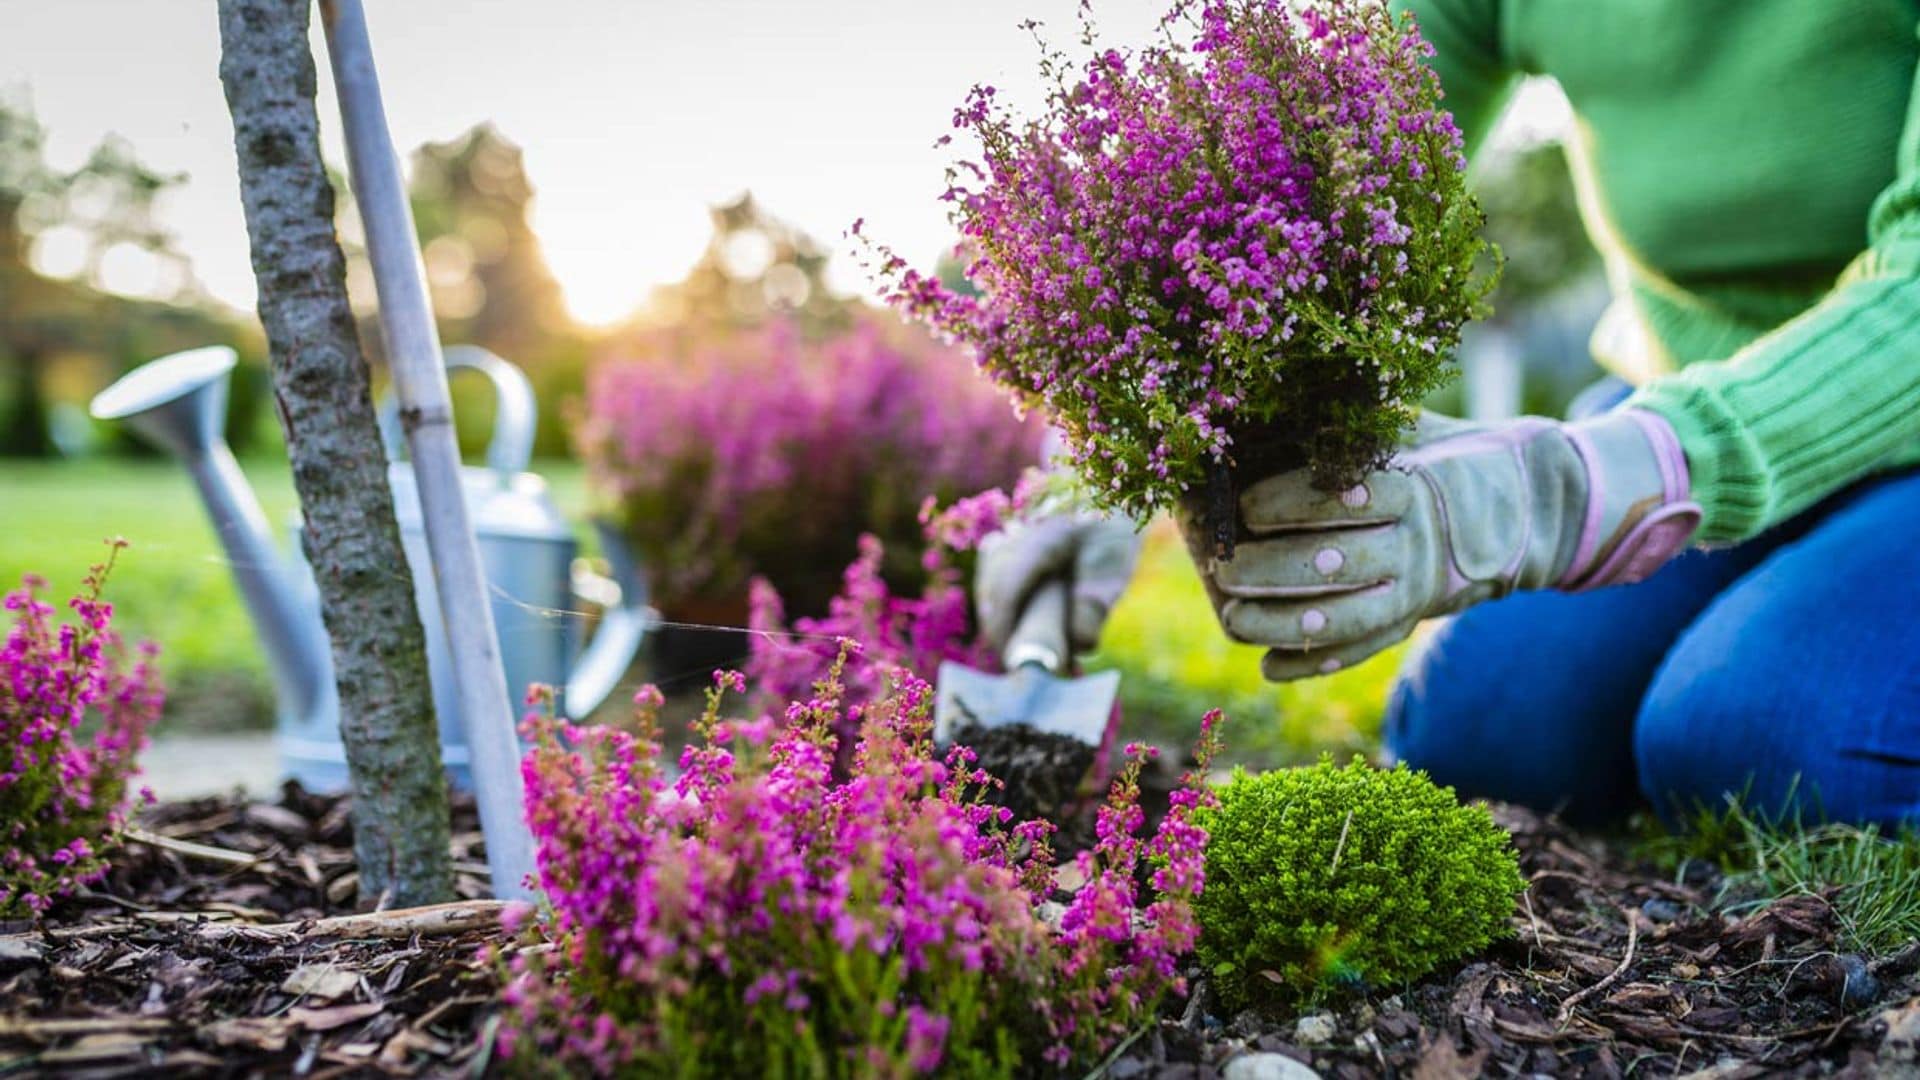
(1034, 692)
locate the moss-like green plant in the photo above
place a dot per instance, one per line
(1328, 876)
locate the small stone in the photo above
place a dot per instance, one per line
(1245, 1024)
(20, 951)
(1661, 910)
(1314, 1029)
(1899, 1053)
(1267, 1067)
(1858, 987)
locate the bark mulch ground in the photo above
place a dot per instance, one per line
(227, 942)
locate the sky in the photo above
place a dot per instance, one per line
(635, 115)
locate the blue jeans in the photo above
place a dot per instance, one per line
(1786, 669)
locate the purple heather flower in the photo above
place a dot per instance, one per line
(1203, 239)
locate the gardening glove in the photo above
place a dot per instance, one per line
(1463, 515)
(1093, 555)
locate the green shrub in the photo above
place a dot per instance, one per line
(1323, 877)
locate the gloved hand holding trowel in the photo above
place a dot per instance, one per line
(1043, 589)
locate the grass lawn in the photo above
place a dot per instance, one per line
(171, 583)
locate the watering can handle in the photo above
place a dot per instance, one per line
(622, 628)
(511, 447)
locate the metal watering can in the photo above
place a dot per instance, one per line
(179, 402)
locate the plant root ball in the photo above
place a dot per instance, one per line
(1331, 877)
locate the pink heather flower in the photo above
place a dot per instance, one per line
(74, 714)
(779, 913)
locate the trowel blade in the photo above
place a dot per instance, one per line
(1076, 708)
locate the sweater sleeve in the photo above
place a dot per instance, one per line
(1474, 75)
(1821, 400)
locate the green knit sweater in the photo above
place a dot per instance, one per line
(1750, 170)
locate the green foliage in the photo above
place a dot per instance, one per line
(1871, 878)
(1330, 876)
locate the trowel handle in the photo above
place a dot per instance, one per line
(1040, 637)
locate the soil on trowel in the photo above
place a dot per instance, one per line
(1045, 774)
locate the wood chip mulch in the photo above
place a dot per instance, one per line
(229, 941)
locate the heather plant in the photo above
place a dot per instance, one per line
(1243, 248)
(762, 914)
(74, 713)
(766, 453)
(1326, 877)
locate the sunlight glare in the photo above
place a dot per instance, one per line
(608, 258)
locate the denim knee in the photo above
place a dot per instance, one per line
(1798, 688)
(1480, 712)
(1702, 739)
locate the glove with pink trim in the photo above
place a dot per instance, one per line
(1467, 514)
(1092, 555)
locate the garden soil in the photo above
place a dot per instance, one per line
(226, 943)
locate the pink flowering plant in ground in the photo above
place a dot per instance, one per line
(74, 713)
(1247, 246)
(762, 914)
(764, 453)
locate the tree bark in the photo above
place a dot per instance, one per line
(321, 392)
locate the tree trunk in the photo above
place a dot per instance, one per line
(322, 395)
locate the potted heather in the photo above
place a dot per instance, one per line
(1243, 249)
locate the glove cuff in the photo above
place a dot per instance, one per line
(1647, 531)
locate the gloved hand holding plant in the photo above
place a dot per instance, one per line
(1465, 514)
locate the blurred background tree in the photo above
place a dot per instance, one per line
(490, 282)
(73, 246)
(755, 267)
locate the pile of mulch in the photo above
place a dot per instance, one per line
(231, 941)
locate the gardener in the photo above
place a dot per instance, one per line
(1751, 172)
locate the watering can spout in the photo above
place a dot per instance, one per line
(179, 402)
